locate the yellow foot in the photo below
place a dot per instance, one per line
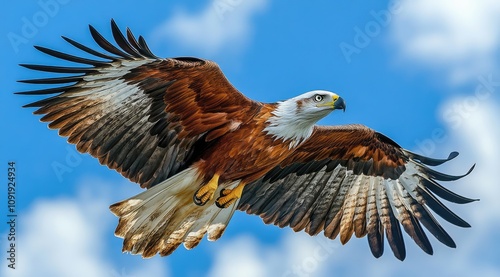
(206, 192)
(228, 196)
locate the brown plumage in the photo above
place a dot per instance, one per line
(202, 149)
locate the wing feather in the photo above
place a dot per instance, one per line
(105, 44)
(349, 180)
(69, 57)
(334, 215)
(349, 208)
(323, 202)
(284, 209)
(122, 41)
(89, 50)
(375, 230)
(301, 208)
(359, 219)
(57, 69)
(137, 113)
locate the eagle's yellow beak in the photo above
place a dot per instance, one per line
(338, 104)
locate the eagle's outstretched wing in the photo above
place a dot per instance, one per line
(349, 180)
(139, 114)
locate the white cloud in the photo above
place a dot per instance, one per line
(67, 237)
(246, 263)
(475, 129)
(223, 25)
(297, 254)
(460, 37)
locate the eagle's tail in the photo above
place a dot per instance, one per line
(164, 216)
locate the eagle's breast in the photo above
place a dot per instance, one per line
(248, 152)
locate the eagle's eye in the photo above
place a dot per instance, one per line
(318, 98)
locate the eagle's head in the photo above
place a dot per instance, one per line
(316, 104)
(294, 119)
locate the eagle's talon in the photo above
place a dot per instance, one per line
(222, 206)
(200, 200)
(229, 196)
(206, 192)
(224, 192)
(223, 202)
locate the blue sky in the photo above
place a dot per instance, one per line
(425, 74)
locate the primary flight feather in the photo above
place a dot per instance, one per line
(202, 150)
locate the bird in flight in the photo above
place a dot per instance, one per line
(201, 149)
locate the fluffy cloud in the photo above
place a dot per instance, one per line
(473, 126)
(67, 237)
(222, 25)
(460, 37)
(296, 254)
(245, 263)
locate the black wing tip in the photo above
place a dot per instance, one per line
(24, 93)
(467, 173)
(470, 170)
(437, 175)
(465, 225)
(114, 26)
(95, 34)
(58, 69)
(440, 209)
(56, 80)
(25, 65)
(461, 223)
(92, 28)
(377, 255)
(124, 50)
(376, 250)
(40, 48)
(67, 39)
(21, 92)
(30, 105)
(400, 258)
(452, 155)
(430, 161)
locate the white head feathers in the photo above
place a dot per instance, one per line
(294, 119)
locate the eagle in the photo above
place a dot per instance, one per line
(201, 149)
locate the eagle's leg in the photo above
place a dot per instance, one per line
(228, 196)
(206, 192)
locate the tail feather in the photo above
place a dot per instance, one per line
(164, 216)
(218, 225)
